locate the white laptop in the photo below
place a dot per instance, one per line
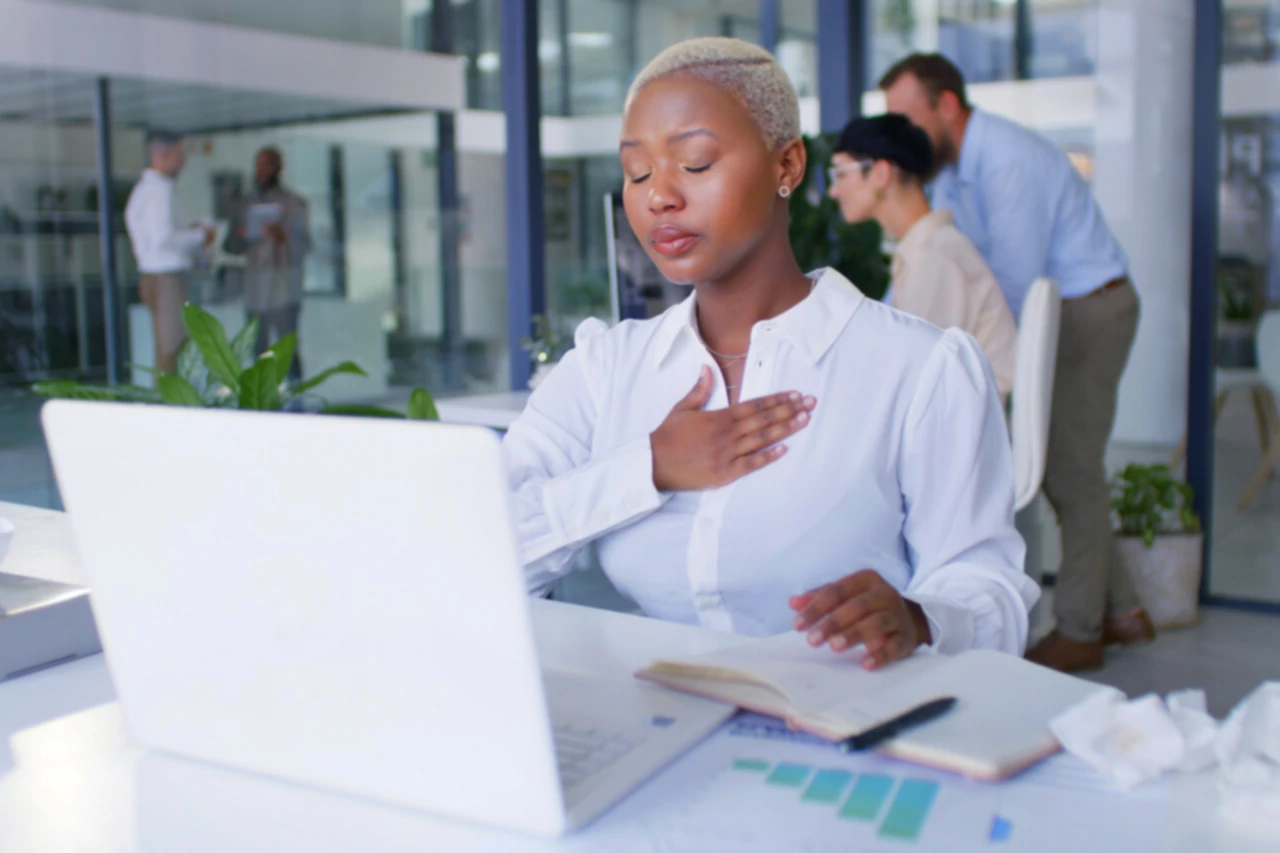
(338, 601)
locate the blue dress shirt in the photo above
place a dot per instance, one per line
(1016, 196)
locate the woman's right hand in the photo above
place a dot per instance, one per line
(695, 450)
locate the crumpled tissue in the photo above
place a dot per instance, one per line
(1127, 742)
(1131, 742)
(1248, 750)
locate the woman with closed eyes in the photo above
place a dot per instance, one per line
(777, 452)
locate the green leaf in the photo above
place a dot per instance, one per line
(283, 350)
(244, 343)
(1149, 537)
(192, 367)
(150, 371)
(259, 390)
(324, 375)
(421, 406)
(177, 391)
(211, 338)
(361, 411)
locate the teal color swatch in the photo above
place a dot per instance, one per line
(753, 765)
(867, 797)
(827, 786)
(788, 775)
(910, 807)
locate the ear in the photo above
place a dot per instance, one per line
(881, 174)
(948, 106)
(792, 160)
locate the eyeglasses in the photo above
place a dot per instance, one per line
(834, 172)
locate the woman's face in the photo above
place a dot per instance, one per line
(701, 180)
(850, 184)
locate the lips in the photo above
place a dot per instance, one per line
(671, 240)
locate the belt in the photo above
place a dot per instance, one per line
(1111, 285)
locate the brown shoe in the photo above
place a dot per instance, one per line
(1128, 629)
(1065, 655)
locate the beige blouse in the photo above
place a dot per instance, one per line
(939, 276)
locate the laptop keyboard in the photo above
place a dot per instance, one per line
(583, 750)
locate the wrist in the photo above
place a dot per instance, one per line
(924, 636)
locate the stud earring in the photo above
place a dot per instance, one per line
(784, 191)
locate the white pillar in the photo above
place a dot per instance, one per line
(1142, 179)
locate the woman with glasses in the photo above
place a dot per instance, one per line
(776, 452)
(878, 172)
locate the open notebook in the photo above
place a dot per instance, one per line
(999, 726)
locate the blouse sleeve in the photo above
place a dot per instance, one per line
(956, 472)
(564, 494)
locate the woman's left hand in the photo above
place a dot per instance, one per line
(862, 608)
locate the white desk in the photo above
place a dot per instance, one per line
(73, 781)
(492, 410)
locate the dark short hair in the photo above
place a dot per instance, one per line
(934, 71)
(273, 152)
(162, 138)
(890, 137)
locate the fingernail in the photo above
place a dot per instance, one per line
(779, 450)
(815, 637)
(793, 396)
(798, 623)
(839, 644)
(803, 417)
(810, 402)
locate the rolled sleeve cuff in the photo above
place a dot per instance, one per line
(950, 623)
(605, 494)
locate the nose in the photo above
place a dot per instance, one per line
(663, 193)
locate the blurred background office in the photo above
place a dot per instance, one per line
(430, 258)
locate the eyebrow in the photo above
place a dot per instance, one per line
(672, 140)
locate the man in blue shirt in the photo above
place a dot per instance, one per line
(1016, 196)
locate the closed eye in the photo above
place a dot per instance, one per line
(641, 179)
(696, 169)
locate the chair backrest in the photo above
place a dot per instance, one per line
(1036, 358)
(1267, 341)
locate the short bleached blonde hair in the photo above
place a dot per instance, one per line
(748, 72)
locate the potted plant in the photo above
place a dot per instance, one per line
(545, 347)
(1159, 542)
(1238, 312)
(214, 372)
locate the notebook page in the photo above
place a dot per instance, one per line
(823, 684)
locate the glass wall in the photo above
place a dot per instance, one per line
(1246, 523)
(990, 39)
(51, 317)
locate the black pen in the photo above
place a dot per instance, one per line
(916, 716)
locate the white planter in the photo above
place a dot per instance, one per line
(1166, 575)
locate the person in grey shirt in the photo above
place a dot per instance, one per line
(1016, 196)
(272, 230)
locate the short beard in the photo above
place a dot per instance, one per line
(944, 153)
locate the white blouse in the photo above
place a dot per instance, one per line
(904, 468)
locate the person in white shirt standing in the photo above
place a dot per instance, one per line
(878, 172)
(838, 467)
(165, 244)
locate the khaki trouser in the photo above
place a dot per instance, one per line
(165, 294)
(1093, 346)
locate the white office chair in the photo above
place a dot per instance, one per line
(1036, 356)
(1267, 339)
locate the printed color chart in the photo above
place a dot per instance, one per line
(901, 805)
